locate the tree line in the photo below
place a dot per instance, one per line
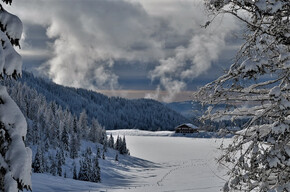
(56, 135)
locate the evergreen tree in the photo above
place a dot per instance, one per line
(85, 169)
(46, 145)
(104, 141)
(88, 152)
(46, 165)
(105, 145)
(118, 143)
(37, 164)
(98, 153)
(61, 155)
(75, 171)
(53, 106)
(74, 146)
(96, 128)
(83, 172)
(16, 162)
(65, 140)
(68, 121)
(103, 155)
(75, 125)
(123, 146)
(59, 163)
(83, 125)
(103, 136)
(33, 133)
(53, 125)
(96, 171)
(111, 141)
(53, 167)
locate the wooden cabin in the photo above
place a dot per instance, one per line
(186, 128)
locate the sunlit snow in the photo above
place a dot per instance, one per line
(170, 164)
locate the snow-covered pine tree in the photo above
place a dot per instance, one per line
(96, 131)
(105, 144)
(75, 125)
(103, 155)
(74, 146)
(59, 163)
(38, 161)
(15, 158)
(103, 138)
(53, 166)
(68, 122)
(75, 171)
(63, 155)
(96, 171)
(123, 147)
(83, 172)
(98, 152)
(83, 125)
(111, 141)
(46, 145)
(59, 168)
(258, 85)
(65, 139)
(118, 143)
(88, 152)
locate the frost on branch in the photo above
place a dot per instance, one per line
(258, 86)
(15, 158)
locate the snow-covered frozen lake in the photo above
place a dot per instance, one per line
(187, 164)
(179, 164)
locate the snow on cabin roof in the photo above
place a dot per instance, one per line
(189, 125)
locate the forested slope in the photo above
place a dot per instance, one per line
(111, 112)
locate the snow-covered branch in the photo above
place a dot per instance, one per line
(256, 87)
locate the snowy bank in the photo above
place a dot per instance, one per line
(137, 132)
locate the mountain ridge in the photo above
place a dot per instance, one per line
(111, 112)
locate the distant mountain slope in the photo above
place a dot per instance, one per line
(188, 109)
(111, 112)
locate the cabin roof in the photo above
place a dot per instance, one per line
(187, 125)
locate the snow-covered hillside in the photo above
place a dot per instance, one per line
(112, 172)
(174, 164)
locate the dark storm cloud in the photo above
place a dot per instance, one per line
(87, 38)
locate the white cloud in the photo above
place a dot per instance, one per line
(88, 36)
(194, 59)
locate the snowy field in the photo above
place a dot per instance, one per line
(187, 164)
(163, 164)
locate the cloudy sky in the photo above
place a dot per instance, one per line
(132, 48)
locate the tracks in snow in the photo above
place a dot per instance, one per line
(183, 165)
(161, 184)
